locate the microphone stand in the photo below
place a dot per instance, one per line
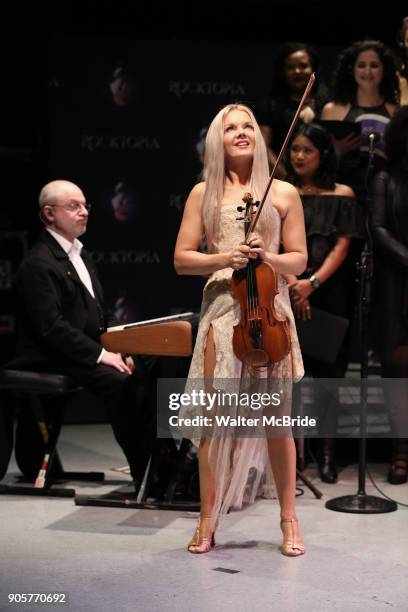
(361, 503)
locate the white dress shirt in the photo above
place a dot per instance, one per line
(73, 250)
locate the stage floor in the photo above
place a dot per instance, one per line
(108, 559)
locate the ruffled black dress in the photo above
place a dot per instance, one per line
(327, 217)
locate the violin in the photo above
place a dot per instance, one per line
(260, 338)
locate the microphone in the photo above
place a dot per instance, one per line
(373, 138)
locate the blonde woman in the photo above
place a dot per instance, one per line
(235, 162)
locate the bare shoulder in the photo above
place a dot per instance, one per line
(284, 195)
(334, 111)
(196, 195)
(283, 187)
(343, 190)
(391, 108)
(198, 190)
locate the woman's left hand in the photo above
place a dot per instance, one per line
(300, 291)
(257, 247)
(303, 311)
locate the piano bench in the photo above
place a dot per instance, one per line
(34, 389)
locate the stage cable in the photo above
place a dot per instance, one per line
(382, 492)
(313, 457)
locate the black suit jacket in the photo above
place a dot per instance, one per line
(59, 321)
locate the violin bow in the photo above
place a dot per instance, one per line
(309, 86)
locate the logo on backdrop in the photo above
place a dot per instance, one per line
(206, 88)
(54, 82)
(121, 87)
(6, 274)
(177, 201)
(125, 257)
(200, 144)
(124, 309)
(120, 142)
(122, 202)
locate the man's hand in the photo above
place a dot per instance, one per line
(130, 363)
(115, 360)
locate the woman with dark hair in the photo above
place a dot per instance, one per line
(366, 91)
(292, 68)
(331, 219)
(389, 222)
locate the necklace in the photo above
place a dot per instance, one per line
(308, 189)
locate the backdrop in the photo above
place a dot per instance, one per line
(127, 120)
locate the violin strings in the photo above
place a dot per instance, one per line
(249, 293)
(252, 294)
(252, 298)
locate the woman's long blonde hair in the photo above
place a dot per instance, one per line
(214, 177)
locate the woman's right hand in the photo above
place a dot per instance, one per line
(238, 258)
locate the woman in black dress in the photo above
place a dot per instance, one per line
(389, 221)
(332, 220)
(294, 63)
(365, 91)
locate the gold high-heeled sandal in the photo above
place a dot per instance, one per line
(203, 539)
(290, 546)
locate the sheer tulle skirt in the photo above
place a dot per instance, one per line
(239, 465)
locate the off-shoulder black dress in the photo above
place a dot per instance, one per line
(327, 217)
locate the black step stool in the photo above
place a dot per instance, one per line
(35, 386)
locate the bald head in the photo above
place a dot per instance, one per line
(63, 209)
(55, 191)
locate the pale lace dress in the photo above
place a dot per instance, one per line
(238, 463)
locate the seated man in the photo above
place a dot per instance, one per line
(62, 314)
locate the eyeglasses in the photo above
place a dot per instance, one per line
(73, 207)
